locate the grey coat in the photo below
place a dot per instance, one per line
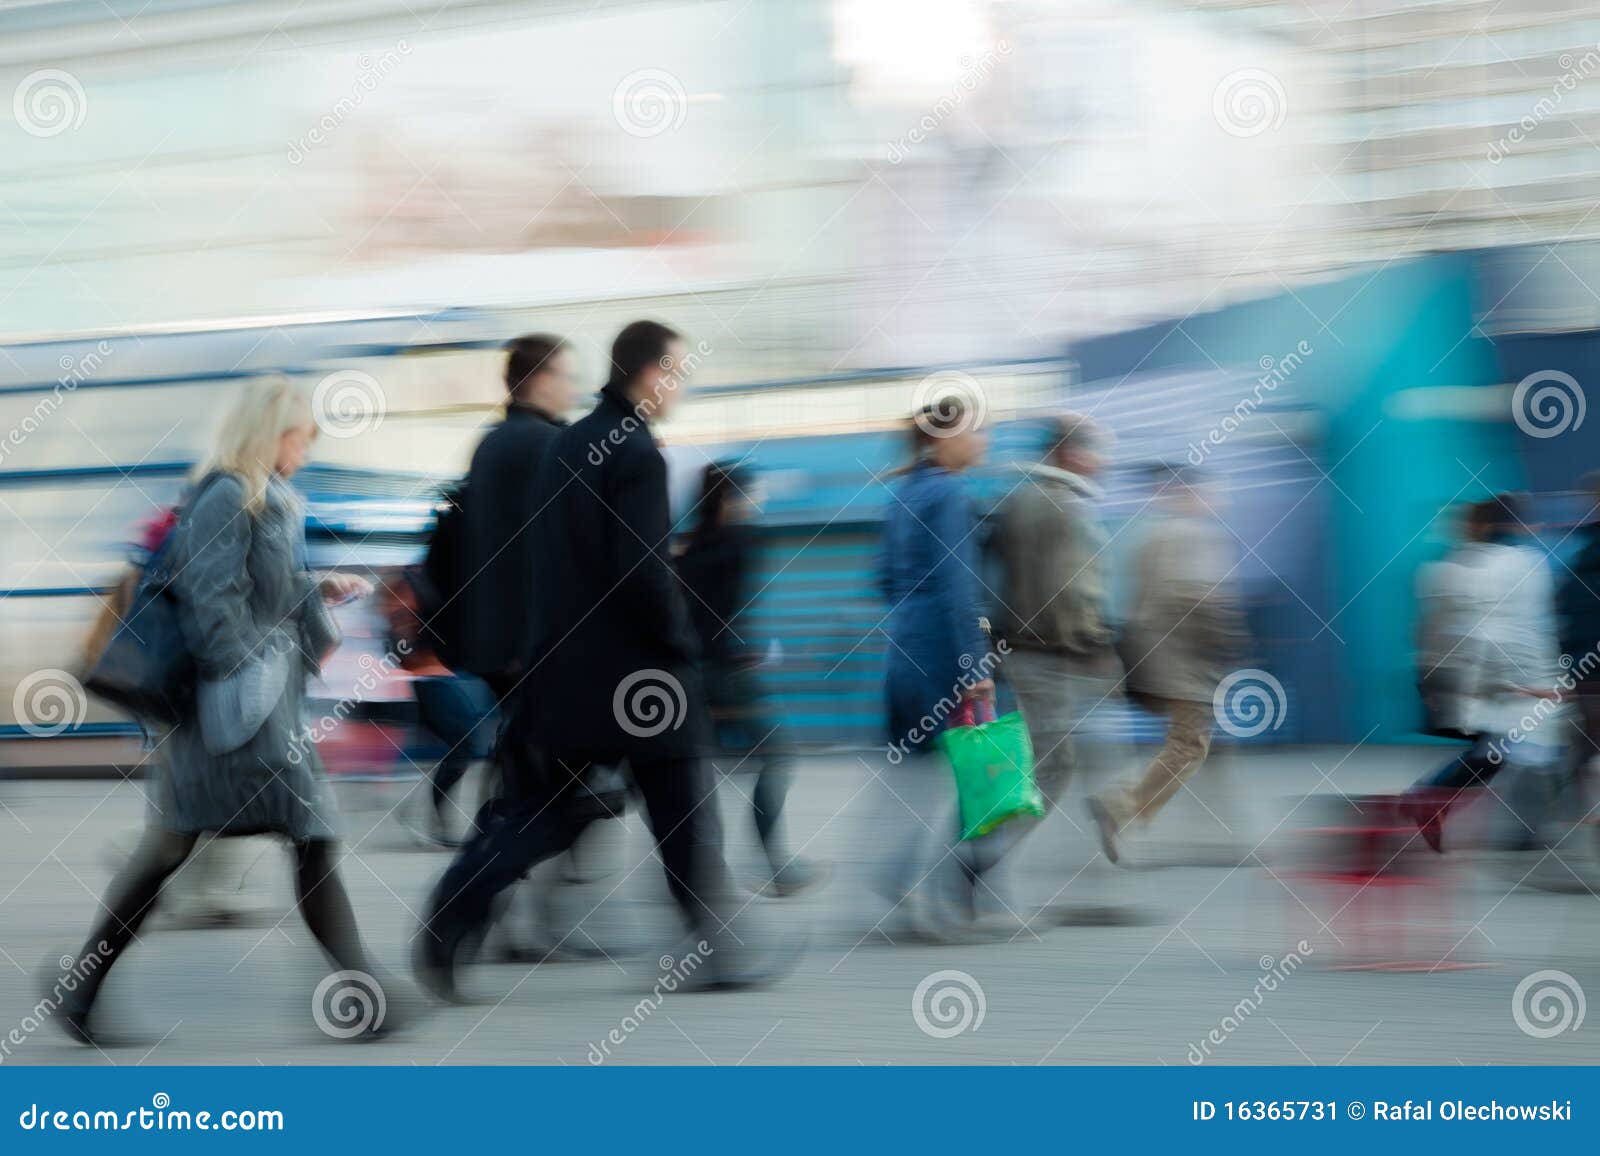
(243, 598)
(1053, 553)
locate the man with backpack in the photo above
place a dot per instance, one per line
(479, 615)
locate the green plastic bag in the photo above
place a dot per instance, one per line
(993, 765)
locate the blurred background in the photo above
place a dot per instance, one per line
(1312, 246)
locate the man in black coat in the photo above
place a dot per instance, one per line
(612, 671)
(613, 628)
(499, 592)
(502, 499)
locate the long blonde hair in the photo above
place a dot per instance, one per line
(246, 444)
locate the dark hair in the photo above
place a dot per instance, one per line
(936, 421)
(1502, 513)
(527, 355)
(636, 347)
(719, 483)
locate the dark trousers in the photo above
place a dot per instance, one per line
(460, 711)
(320, 899)
(1471, 768)
(517, 833)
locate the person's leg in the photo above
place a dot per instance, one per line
(511, 837)
(1049, 698)
(1184, 750)
(130, 898)
(679, 802)
(325, 906)
(459, 712)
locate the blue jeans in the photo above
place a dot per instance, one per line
(460, 711)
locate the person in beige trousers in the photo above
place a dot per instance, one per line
(1184, 629)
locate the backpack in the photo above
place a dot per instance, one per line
(440, 579)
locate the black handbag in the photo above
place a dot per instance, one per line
(146, 667)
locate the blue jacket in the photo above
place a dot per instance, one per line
(928, 571)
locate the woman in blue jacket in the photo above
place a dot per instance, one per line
(937, 647)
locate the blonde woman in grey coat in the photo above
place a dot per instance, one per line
(241, 764)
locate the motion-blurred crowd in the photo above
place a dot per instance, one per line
(561, 630)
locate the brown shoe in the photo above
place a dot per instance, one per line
(1106, 825)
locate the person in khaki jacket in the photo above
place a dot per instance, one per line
(1184, 629)
(1060, 660)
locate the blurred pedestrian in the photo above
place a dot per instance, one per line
(1185, 628)
(717, 567)
(1513, 704)
(493, 612)
(1053, 614)
(239, 762)
(616, 653)
(1450, 665)
(938, 659)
